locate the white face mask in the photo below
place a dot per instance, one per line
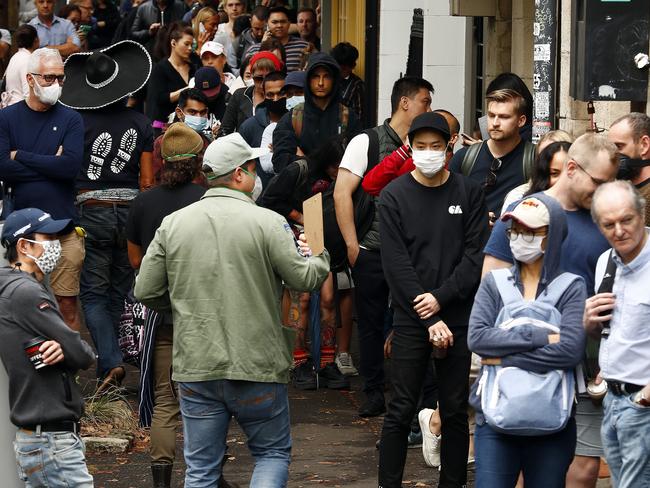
(257, 191)
(527, 252)
(429, 162)
(295, 100)
(48, 95)
(47, 261)
(249, 82)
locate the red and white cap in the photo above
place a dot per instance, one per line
(530, 212)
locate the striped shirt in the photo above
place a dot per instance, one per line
(294, 49)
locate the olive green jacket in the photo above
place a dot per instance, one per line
(220, 264)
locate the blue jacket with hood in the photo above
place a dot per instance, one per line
(527, 347)
(317, 125)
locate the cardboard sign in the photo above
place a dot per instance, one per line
(312, 211)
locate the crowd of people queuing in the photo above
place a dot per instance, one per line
(159, 153)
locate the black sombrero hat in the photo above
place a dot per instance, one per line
(100, 78)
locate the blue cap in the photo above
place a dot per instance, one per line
(29, 221)
(208, 80)
(296, 78)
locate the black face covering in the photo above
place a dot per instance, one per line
(278, 107)
(630, 168)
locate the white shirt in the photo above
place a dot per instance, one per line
(625, 354)
(355, 158)
(16, 75)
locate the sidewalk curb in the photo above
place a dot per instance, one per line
(118, 444)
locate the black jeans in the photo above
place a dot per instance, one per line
(371, 299)
(410, 356)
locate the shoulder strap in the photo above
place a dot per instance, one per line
(556, 288)
(607, 283)
(373, 148)
(528, 159)
(471, 155)
(303, 171)
(506, 286)
(344, 117)
(296, 120)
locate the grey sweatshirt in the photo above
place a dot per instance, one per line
(526, 347)
(50, 394)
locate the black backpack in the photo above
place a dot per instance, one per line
(364, 212)
(471, 155)
(303, 174)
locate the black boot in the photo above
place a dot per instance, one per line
(224, 484)
(162, 475)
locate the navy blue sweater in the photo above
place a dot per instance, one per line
(38, 176)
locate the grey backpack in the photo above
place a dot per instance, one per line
(519, 402)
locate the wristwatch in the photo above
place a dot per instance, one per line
(641, 399)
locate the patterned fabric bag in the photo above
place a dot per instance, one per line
(130, 335)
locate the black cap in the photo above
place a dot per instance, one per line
(29, 221)
(432, 121)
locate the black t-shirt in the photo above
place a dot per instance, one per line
(114, 139)
(509, 176)
(150, 208)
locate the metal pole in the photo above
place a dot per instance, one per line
(545, 38)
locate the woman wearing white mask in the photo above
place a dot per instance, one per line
(502, 331)
(433, 225)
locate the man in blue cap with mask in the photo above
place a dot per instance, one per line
(40, 354)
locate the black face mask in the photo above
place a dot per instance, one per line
(630, 168)
(278, 107)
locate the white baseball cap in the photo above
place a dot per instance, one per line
(213, 47)
(230, 152)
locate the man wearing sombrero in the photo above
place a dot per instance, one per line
(118, 144)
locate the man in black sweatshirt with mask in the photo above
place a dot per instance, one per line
(433, 227)
(41, 356)
(322, 116)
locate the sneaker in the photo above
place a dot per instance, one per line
(414, 439)
(304, 377)
(374, 404)
(430, 442)
(344, 363)
(330, 377)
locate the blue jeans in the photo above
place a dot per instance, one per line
(625, 432)
(544, 460)
(51, 459)
(106, 278)
(262, 411)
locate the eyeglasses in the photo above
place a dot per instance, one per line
(51, 78)
(526, 236)
(491, 178)
(258, 79)
(595, 181)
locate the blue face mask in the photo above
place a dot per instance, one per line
(295, 100)
(195, 122)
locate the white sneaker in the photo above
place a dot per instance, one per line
(344, 362)
(430, 442)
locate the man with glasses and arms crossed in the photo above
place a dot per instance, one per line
(41, 149)
(498, 163)
(591, 162)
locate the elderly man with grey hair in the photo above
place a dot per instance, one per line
(621, 318)
(41, 149)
